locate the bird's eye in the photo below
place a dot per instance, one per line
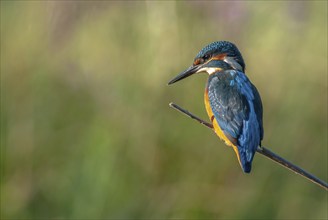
(202, 59)
(206, 57)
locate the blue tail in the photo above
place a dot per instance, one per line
(247, 167)
(246, 158)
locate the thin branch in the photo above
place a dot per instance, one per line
(262, 150)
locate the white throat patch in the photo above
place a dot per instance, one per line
(209, 70)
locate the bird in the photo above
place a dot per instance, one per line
(232, 102)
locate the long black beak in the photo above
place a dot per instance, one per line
(188, 72)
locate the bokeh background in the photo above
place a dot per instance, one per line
(86, 131)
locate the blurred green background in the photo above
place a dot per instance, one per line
(86, 131)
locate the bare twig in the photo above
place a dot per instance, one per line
(262, 150)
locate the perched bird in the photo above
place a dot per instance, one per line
(232, 102)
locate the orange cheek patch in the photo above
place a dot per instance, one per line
(220, 56)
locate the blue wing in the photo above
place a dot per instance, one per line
(237, 107)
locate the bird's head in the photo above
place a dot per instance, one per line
(217, 56)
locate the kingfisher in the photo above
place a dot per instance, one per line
(232, 102)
